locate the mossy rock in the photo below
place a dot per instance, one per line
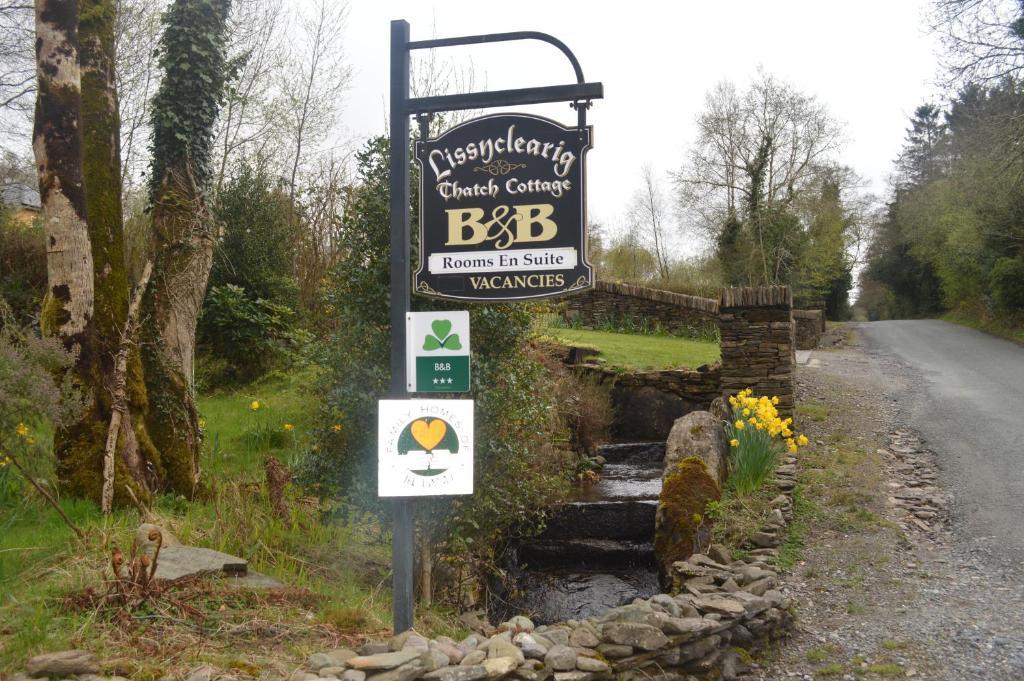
(680, 525)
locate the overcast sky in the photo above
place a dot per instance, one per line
(871, 62)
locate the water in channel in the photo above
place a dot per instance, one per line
(597, 552)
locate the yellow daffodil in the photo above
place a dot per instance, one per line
(254, 405)
(336, 427)
(746, 412)
(802, 440)
(288, 427)
(734, 442)
(740, 425)
(21, 429)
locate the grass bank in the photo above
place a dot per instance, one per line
(995, 327)
(635, 351)
(335, 564)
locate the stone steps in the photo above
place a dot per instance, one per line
(586, 554)
(633, 452)
(631, 519)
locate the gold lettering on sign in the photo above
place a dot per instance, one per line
(536, 214)
(466, 226)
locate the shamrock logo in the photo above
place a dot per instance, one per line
(442, 336)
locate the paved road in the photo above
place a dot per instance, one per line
(968, 402)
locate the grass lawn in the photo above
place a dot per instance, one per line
(337, 571)
(630, 351)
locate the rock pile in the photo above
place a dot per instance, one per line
(913, 485)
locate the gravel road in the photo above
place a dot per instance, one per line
(915, 406)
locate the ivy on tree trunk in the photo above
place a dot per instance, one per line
(185, 109)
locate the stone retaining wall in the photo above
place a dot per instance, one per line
(810, 325)
(658, 638)
(759, 343)
(646, 403)
(615, 304)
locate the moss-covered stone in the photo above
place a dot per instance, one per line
(680, 526)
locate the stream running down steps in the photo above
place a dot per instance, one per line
(597, 552)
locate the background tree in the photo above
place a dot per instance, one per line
(764, 186)
(955, 215)
(17, 63)
(984, 39)
(312, 84)
(648, 214)
(756, 152)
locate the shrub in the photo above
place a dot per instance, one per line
(22, 266)
(257, 249)
(756, 437)
(36, 393)
(1006, 281)
(519, 475)
(250, 335)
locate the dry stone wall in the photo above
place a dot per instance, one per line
(759, 343)
(810, 325)
(662, 637)
(636, 306)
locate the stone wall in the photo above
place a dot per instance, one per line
(646, 403)
(759, 343)
(662, 637)
(810, 325)
(625, 304)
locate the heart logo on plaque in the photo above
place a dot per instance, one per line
(429, 435)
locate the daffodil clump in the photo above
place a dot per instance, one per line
(757, 435)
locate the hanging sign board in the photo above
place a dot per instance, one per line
(425, 448)
(503, 210)
(437, 352)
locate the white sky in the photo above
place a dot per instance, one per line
(871, 62)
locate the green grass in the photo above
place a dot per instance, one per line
(814, 411)
(630, 351)
(237, 438)
(995, 327)
(338, 569)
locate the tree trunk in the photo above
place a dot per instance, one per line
(101, 163)
(183, 236)
(57, 144)
(68, 309)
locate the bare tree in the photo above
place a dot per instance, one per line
(432, 76)
(322, 206)
(313, 81)
(136, 32)
(984, 39)
(648, 213)
(250, 121)
(17, 63)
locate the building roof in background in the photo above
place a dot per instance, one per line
(20, 195)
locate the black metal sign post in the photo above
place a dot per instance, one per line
(579, 94)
